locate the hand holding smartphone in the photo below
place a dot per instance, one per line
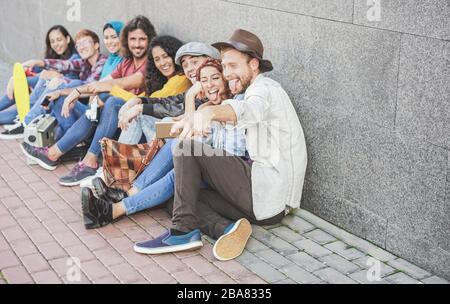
(163, 129)
(46, 102)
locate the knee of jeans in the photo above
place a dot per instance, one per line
(55, 83)
(114, 101)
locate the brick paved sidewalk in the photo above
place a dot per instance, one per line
(41, 229)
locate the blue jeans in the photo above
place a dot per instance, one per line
(81, 130)
(156, 183)
(143, 125)
(65, 124)
(7, 116)
(108, 123)
(39, 94)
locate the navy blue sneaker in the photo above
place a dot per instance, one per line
(39, 156)
(170, 243)
(77, 175)
(232, 243)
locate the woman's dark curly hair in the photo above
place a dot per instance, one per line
(155, 80)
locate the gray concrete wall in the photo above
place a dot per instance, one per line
(373, 97)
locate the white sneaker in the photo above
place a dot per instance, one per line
(16, 133)
(88, 182)
(12, 126)
(31, 162)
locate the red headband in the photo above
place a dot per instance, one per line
(210, 63)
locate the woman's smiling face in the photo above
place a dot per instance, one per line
(213, 84)
(163, 62)
(111, 40)
(58, 42)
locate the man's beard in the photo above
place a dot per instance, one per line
(141, 56)
(246, 81)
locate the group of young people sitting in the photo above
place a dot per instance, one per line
(238, 156)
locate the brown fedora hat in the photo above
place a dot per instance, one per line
(248, 43)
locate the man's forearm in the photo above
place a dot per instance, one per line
(222, 113)
(82, 90)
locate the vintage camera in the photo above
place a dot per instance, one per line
(92, 112)
(41, 131)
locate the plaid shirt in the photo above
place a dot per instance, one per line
(86, 72)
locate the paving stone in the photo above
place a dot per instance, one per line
(306, 261)
(273, 241)
(312, 248)
(233, 268)
(200, 265)
(94, 242)
(320, 237)
(287, 234)
(401, 278)
(126, 273)
(95, 269)
(344, 250)
(136, 259)
(17, 275)
(109, 257)
(172, 264)
(253, 245)
(219, 278)
(266, 272)
(298, 224)
(67, 239)
(24, 247)
(82, 280)
(61, 266)
(361, 277)
(285, 282)
(40, 236)
(14, 234)
(46, 277)
(106, 280)
(348, 238)
(251, 280)
(156, 275)
(340, 264)
(35, 263)
(273, 258)
(410, 269)
(247, 258)
(333, 276)
(7, 221)
(80, 252)
(435, 280)
(300, 275)
(52, 251)
(188, 277)
(385, 269)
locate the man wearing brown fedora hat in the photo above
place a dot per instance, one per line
(260, 188)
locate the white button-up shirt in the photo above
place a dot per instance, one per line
(276, 143)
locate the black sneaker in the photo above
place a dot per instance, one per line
(39, 155)
(96, 212)
(101, 190)
(78, 174)
(76, 154)
(15, 133)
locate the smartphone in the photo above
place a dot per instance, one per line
(163, 129)
(45, 102)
